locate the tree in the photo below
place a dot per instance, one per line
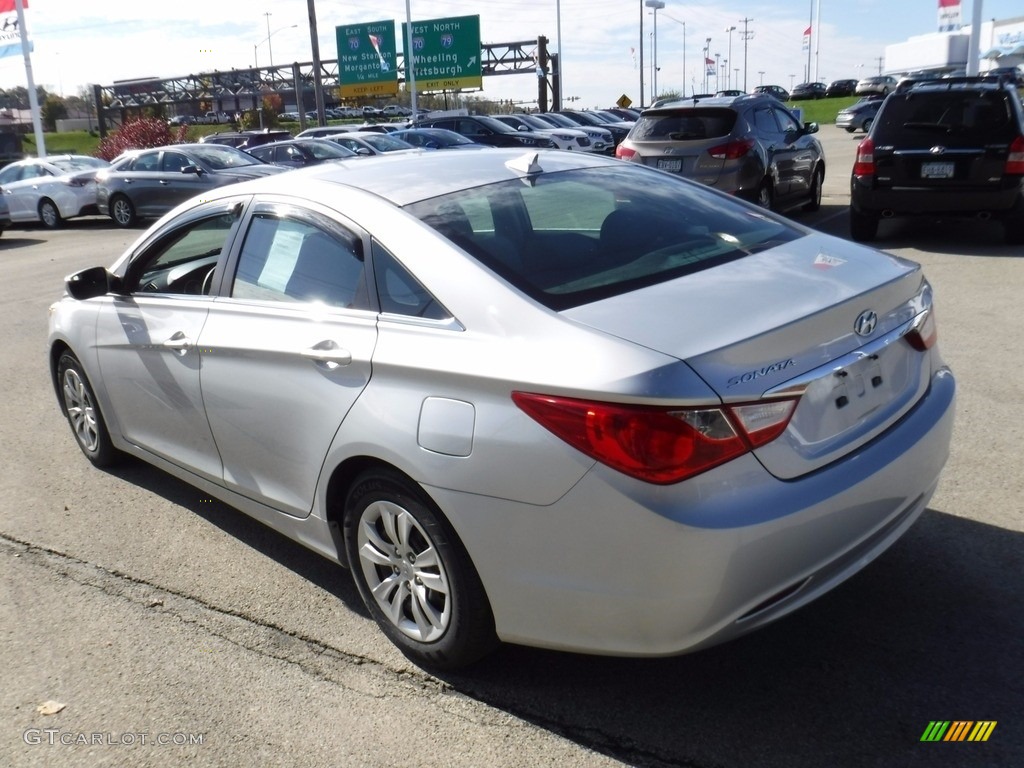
(52, 110)
(141, 133)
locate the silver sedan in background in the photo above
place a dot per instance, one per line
(51, 189)
(547, 398)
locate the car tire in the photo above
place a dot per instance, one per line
(817, 182)
(122, 211)
(863, 226)
(765, 196)
(78, 402)
(867, 125)
(851, 128)
(49, 214)
(413, 574)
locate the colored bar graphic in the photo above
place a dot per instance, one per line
(935, 731)
(958, 730)
(982, 730)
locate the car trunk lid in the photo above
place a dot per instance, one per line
(818, 316)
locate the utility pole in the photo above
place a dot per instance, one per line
(747, 35)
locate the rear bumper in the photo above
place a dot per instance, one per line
(625, 568)
(865, 197)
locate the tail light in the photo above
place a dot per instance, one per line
(624, 153)
(924, 333)
(732, 150)
(864, 165)
(1015, 160)
(659, 445)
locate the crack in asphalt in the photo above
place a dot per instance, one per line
(325, 662)
(267, 639)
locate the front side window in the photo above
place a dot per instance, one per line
(148, 162)
(184, 260)
(292, 260)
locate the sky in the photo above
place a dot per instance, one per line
(77, 43)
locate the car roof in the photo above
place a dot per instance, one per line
(420, 175)
(711, 101)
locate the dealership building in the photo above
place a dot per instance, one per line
(1001, 44)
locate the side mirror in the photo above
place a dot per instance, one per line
(88, 284)
(811, 128)
(192, 169)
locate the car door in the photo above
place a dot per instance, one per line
(801, 152)
(147, 345)
(287, 351)
(777, 150)
(14, 187)
(139, 180)
(173, 186)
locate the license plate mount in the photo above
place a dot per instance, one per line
(673, 164)
(937, 170)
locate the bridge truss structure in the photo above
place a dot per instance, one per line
(239, 90)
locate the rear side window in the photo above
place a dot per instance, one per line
(957, 118)
(685, 125)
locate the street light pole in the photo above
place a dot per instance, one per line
(730, 30)
(677, 21)
(707, 55)
(256, 59)
(270, 50)
(641, 52)
(657, 5)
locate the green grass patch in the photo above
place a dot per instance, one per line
(823, 111)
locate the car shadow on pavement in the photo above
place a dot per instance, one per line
(930, 631)
(318, 570)
(965, 237)
(17, 239)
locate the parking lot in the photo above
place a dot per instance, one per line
(149, 610)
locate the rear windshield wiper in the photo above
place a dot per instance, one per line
(937, 127)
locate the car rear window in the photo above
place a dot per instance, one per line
(684, 125)
(573, 237)
(957, 117)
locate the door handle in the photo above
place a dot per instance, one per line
(329, 353)
(179, 343)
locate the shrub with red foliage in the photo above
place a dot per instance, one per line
(141, 133)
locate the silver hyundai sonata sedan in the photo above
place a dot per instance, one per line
(547, 398)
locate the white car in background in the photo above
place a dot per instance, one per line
(564, 138)
(51, 189)
(600, 138)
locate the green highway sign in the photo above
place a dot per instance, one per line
(446, 53)
(367, 63)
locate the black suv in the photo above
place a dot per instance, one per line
(952, 147)
(487, 130)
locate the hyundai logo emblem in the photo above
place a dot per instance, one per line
(865, 323)
(938, 149)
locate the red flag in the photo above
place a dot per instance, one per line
(7, 6)
(709, 62)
